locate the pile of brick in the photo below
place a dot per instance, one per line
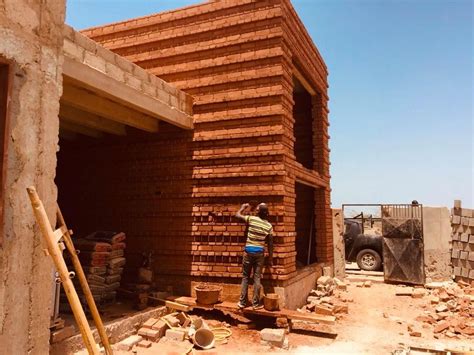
(102, 258)
(452, 310)
(174, 327)
(324, 299)
(462, 254)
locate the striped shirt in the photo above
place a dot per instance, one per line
(257, 231)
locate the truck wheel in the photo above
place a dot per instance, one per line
(369, 260)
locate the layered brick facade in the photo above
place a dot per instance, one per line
(176, 192)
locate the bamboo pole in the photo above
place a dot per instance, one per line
(84, 284)
(56, 255)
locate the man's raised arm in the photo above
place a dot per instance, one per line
(239, 212)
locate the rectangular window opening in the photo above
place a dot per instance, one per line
(303, 126)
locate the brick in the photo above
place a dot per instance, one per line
(273, 336)
(128, 343)
(456, 220)
(144, 344)
(172, 320)
(161, 327)
(149, 323)
(175, 334)
(149, 334)
(441, 327)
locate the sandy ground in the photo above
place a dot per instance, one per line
(365, 330)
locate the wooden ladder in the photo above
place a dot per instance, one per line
(56, 242)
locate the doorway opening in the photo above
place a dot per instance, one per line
(305, 225)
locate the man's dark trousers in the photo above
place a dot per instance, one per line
(251, 261)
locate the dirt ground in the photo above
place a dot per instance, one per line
(377, 323)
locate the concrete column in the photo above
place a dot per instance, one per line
(32, 39)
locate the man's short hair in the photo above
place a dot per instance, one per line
(262, 210)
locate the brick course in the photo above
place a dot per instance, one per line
(179, 190)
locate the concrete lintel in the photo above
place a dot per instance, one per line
(94, 80)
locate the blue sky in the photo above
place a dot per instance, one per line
(401, 92)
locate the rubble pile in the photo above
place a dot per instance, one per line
(451, 309)
(177, 327)
(325, 300)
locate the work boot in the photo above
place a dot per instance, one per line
(257, 306)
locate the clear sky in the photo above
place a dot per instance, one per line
(401, 92)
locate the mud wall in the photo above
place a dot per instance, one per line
(31, 41)
(437, 235)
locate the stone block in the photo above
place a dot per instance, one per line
(463, 255)
(464, 272)
(471, 238)
(128, 343)
(175, 334)
(466, 212)
(471, 222)
(465, 221)
(273, 336)
(457, 203)
(471, 274)
(464, 237)
(457, 271)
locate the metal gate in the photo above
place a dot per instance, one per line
(402, 230)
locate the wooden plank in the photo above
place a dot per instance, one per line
(286, 313)
(177, 306)
(92, 79)
(72, 127)
(300, 77)
(310, 317)
(98, 105)
(323, 330)
(87, 119)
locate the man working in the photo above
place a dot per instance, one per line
(258, 231)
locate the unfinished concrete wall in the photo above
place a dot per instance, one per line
(236, 58)
(31, 40)
(436, 238)
(339, 247)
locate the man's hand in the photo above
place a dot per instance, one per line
(239, 212)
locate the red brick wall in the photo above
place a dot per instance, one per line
(237, 59)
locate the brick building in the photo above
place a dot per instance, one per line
(189, 114)
(260, 133)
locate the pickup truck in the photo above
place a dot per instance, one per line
(362, 248)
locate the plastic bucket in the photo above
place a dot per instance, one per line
(207, 294)
(271, 302)
(203, 338)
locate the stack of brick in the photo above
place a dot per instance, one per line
(102, 259)
(115, 261)
(462, 255)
